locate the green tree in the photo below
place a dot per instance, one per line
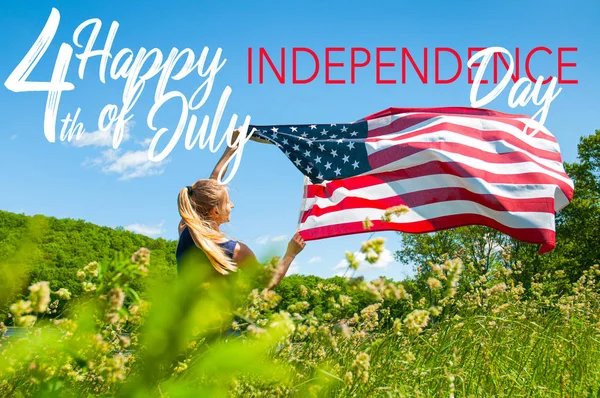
(41, 248)
(479, 244)
(578, 225)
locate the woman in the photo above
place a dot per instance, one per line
(203, 207)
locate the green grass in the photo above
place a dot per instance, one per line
(470, 337)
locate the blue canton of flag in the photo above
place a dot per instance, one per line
(321, 151)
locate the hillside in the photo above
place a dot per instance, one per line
(46, 248)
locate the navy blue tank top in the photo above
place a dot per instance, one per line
(186, 243)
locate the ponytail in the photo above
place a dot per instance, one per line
(202, 233)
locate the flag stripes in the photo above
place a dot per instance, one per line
(451, 166)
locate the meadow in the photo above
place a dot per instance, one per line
(469, 335)
(103, 313)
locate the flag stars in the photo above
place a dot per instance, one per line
(333, 155)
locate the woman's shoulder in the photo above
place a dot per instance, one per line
(229, 246)
(185, 239)
(181, 226)
(244, 255)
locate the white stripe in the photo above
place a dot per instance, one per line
(434, 210)
(428, 155)
(475, 185)
(479, 124)
(304, 204)
(492, 147)
(532, 123)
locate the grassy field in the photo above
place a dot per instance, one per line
(467, 335)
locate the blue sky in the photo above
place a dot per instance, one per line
(123, 189)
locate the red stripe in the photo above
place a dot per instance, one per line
(546, 237)
(412, 120)
(434, 168)
(460, 110)
(488, 136)
(425, 197)
(401, 151)
(400, 125)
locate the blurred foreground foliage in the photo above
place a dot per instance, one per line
(462, 334)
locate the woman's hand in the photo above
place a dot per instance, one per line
(295, 246)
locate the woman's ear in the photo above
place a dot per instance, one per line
(214, 212)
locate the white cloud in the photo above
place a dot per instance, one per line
(128, 164)
(342, 264)
(101, 138)
(148, 230)
(315, 260)
(145, 143)
(262, 240)
(385, 259)
(294, 268)
(13, 137)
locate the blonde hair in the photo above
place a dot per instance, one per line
(194, 208)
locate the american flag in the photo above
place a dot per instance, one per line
(451, 166)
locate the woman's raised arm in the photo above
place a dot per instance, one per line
(221, 167)
(295, 246)
(245, 257)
